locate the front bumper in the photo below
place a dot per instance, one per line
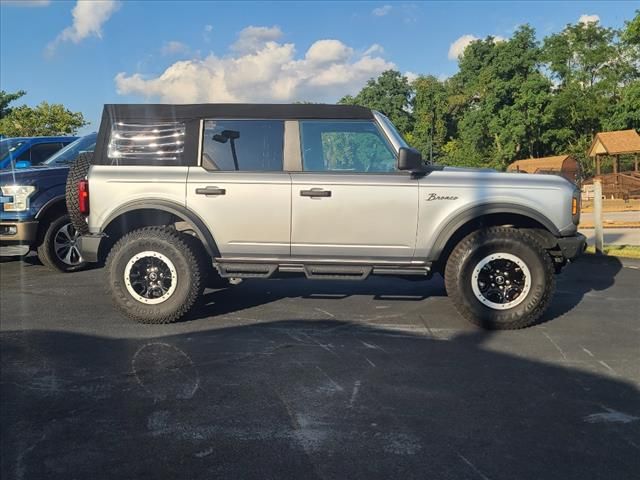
(17, 237)
(573, 246)
(89, 246)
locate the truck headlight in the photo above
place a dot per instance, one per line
(20, 197)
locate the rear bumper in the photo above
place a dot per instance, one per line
(573, 246)
(89, 246)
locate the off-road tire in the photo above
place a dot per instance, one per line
(77, 172)
(479, 244)
(180, 249)
(46, 249)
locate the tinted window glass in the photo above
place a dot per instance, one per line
(350, 146)
(40, 152)
(250, 145)
(69, 153)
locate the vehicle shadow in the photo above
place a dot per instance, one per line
(306, 399)
(588, 273)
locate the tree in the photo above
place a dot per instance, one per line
(433, 122)
(390, 94)
(42, 120)
(6, 99)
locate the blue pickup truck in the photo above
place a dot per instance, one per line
(31, 150)
(34, 214)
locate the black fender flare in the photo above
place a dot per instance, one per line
(174, 208)
(460, 218)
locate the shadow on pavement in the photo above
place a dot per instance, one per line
(305, 399)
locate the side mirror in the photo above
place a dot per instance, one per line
(23, 164)
(410, 159)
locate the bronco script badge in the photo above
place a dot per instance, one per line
(434, 196)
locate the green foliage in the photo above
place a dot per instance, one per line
(519, 98)
(6, 99)
(44, 119)
(390, 94)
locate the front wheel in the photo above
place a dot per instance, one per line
(500, 278)
(59, 249)
(154, 274)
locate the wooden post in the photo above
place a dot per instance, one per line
(635, 163)
(597, 216)
(597, 165)
(615, 164)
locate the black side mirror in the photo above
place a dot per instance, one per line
(410, 159)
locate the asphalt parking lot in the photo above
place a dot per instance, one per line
(301, 379)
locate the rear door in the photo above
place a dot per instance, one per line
(350, 201)
(240, 189)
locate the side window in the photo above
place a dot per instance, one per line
(349, 146)
(146, 143)
(249, 145)
(42, 151)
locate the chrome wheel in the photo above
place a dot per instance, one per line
(501, 281)
(65, 245)
(150, 277)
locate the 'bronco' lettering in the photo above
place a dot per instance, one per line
(434, 196)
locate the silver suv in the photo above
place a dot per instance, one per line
(323, 191)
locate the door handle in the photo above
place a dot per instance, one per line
(210, 191)
(315, 192)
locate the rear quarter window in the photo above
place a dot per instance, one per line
(132, 143)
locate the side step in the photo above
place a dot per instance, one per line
(246, 270)
(337, 272)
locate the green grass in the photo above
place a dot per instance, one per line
(628, 251)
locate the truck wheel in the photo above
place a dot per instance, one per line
(500, 278)
(154, 274)
(77, 172)
(58, 249)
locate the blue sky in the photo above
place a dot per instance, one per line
(137, 51)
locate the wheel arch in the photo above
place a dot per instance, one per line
(487, 215)
(141, 213)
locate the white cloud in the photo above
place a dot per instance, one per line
(88, 18)
(457, 48)
(252, 38)
(587, 19)
(381, 11)
(261, 69)
(174, 47)
(206, 33)
(373, 49)
(26, 3)
(411, 76)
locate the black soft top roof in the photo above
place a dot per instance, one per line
(165, 112)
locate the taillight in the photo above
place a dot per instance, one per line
(83, 197)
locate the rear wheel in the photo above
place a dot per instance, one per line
(500, 278)
(154, 274)
(59, 250)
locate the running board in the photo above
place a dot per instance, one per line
(246, 270)
(337, 272)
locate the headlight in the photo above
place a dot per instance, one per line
(20, 194)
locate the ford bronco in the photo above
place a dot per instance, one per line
(176, 193)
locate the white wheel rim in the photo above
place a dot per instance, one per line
(501, 281)
(150, 277)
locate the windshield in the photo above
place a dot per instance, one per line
(69, 153)
(9, 145)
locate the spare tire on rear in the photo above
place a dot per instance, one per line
(77, 172)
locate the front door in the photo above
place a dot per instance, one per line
(350, 202)
(240, 190)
